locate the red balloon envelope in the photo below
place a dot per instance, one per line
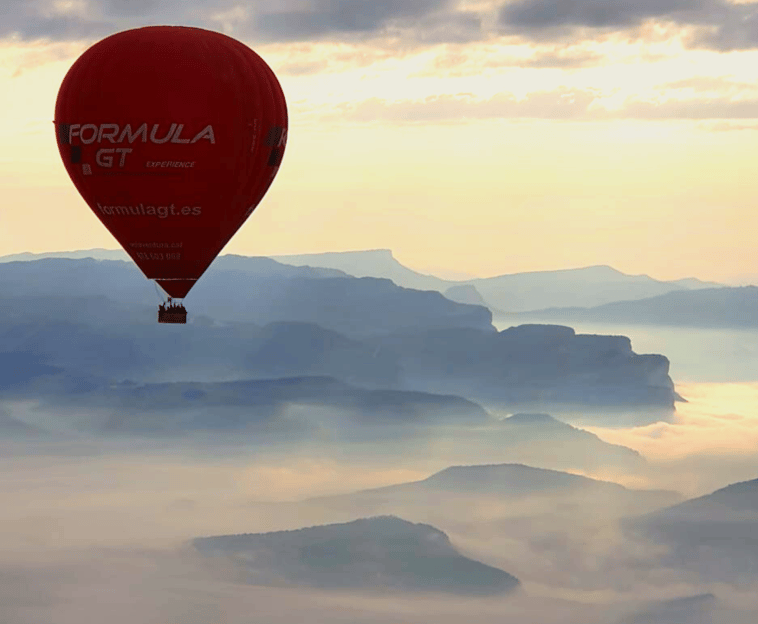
(172, 135)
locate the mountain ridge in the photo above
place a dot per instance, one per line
(591, 285)
(383, 553)
(504, 479)
(726, 306)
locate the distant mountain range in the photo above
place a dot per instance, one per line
(709, 307)
(522, 367)
(547, 366)
(253, 406)
(518, 292)
(245, 290)
(420, 341)
(535, 440)
(481, 485)
(254, 318)
(301, 408)
(369, 263)
(97, 254)
(380, 553)
(735, 502)
(541, 440)
(696, 609)
(715, 535)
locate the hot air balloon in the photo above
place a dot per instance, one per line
(172, 135)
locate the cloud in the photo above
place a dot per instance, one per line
(97, 537)
(31, 57)
(718, 84)
(563, 103)
(454, 27)
(692, 109)
(716, 24)
(322, 18)
(533, 16)
(559, 104)
(425, 21)
(46, 19)
(149, 586)
(711, 443)
(458, 61)
(136, 7)
(70, 20)
(304, 68)
(735, 27)
(726, 126)
(563, 59)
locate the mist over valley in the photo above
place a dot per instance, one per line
(557, 472)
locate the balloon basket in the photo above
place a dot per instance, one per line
(172, 316)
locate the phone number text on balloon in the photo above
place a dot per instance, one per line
(157, 255)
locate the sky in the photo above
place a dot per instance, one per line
(471, 137)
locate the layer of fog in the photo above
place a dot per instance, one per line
(123, 587)
(55, 490)
(94, 528)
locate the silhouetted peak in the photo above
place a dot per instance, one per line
(690, 600)
(742, 495)
(465, 293)
(97, 253)
(489, 468)
(534, 331)
(381, 552)
(365, 255)
(601, 269)
(378, 525)
(677, 610)
(737, 497)
(532, 419)
(741, 487)
(495, 473)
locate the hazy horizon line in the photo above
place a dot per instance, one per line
(437, 272)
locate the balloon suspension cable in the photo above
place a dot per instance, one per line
(158, 292)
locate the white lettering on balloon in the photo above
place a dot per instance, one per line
(157, 133)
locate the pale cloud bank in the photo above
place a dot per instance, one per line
(713, 24)
(428, 21)
(560, 104)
